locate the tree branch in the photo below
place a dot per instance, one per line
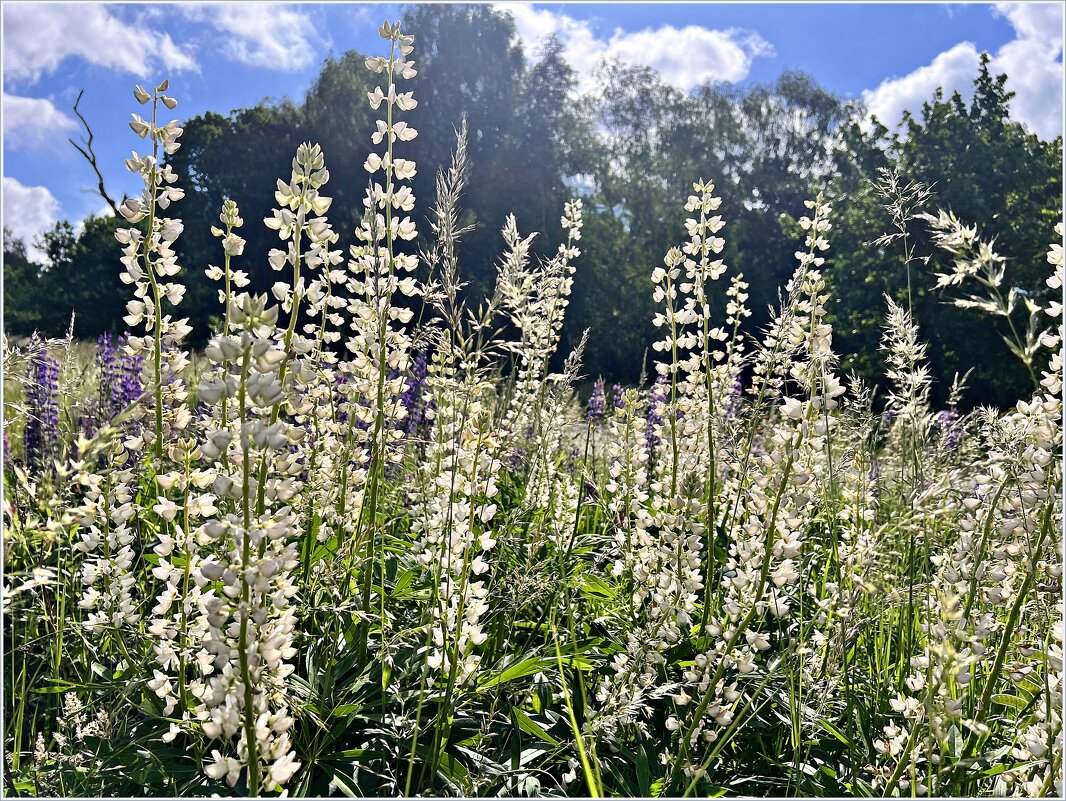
(90, 156)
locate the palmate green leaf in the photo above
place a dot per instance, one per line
(324, 549)
(596, 587)
(405, 580)
(529, 667)
(825, 724)
(1012, 701)
(530, 726)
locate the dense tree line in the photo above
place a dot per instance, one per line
(631, 149)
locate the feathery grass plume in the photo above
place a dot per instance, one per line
(904, 202)
(977, 263)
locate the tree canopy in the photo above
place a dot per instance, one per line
(630, 149)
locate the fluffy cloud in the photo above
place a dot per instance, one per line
(39, 36)
(31, 122)
(28, 210)
(1032, 62)
(952, 69)
(261, 34)
(685, 57)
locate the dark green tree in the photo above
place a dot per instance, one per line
(79, 276)
(22, 279)
(991, 172)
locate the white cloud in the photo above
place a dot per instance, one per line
(261, 34)
(103, 211)
(32, 122)
(684, 57)
(952, 69)
(27, 211)
(38, 37)
(1032, 62)
(1033, 66)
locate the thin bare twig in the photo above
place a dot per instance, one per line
(90, 156)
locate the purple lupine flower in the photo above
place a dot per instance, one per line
(952, 434)
(597, 403)
(618, 396)
(736, 396)
(955, 436)
(413, 397)
(571, 461)
(107, 391)
(658, 395)
(120, 377)
(875, 477)
(130, 383)
(339, 399)
(515, 458)
(888, 417)
(40, 439)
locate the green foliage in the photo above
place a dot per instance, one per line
(987, 169)
(78, 277)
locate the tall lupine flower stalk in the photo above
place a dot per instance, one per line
(452, 517)
(624, 695)
(784, 337)
(232, 245)
(668, 569)
(149, 258)
(766, 522)
(309, 374)
(378, 272)
(452, 510)
(535, 299)
(736, 311)
(305, 373)
(655, 413)
(414, 398)
(300, 222)
(258, 461)
(552, 488)
(689, 336)
(626, 490)
(177, 624)
(597, 402)
(120, 380)
(40, 438)
(245, 623)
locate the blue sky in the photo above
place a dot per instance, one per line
(221, 56)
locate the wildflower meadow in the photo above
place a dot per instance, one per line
(379, 538)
